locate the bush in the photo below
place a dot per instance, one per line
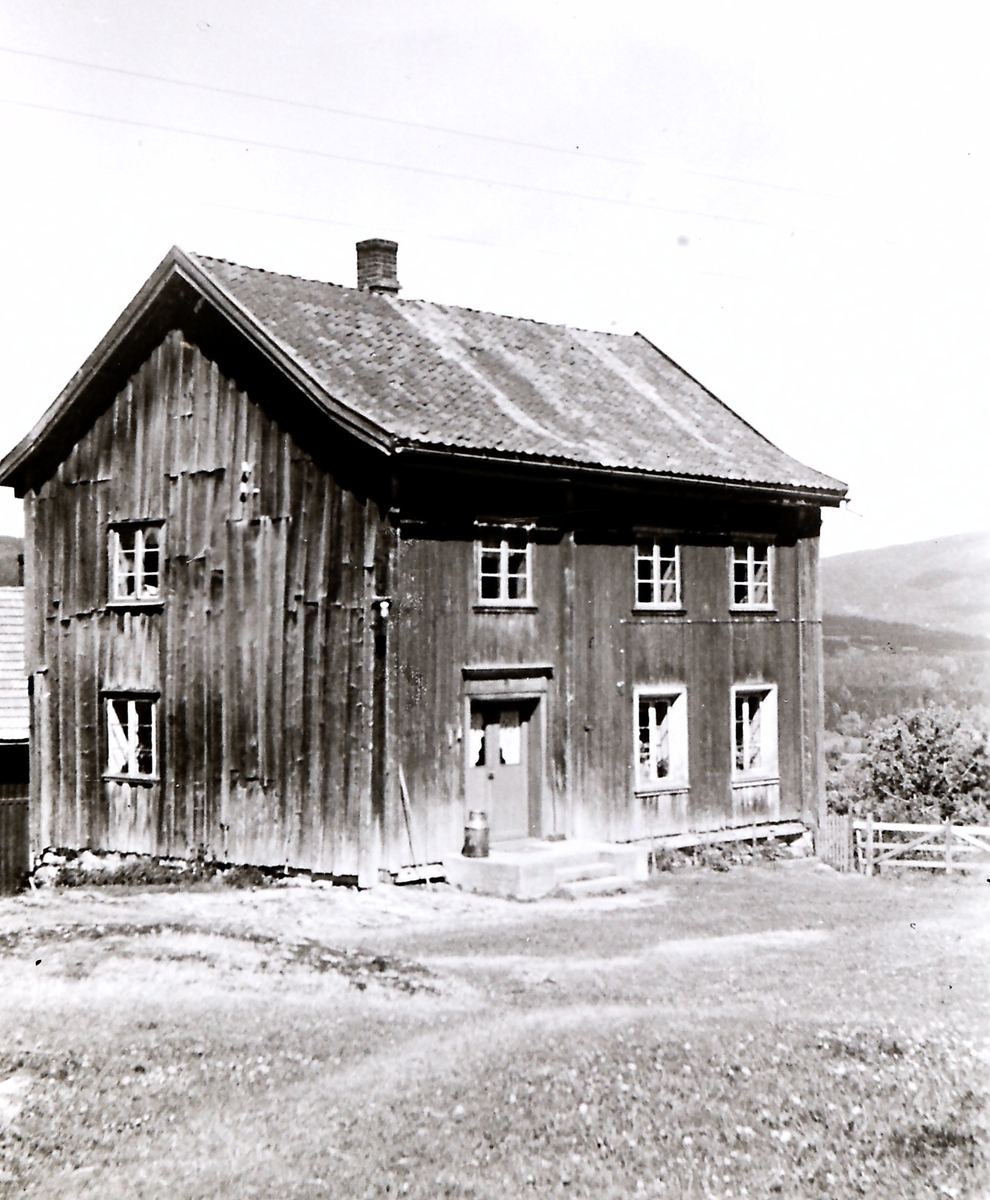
(925, 765)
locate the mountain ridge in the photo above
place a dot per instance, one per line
(939, 584)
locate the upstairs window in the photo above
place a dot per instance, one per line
(661, 739)
(658, 574)
(132, 737)
(755, 732)
(504, 559)
(136, 562)
(752, 575)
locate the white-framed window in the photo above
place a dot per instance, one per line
(660, 738)
(754, 732)
(136, 562)
(504, 559)
(658, 573)
(752, 575)
(132, 736)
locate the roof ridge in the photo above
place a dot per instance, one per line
(346, 287)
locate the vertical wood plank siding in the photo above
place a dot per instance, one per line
(14, 855)
(288, 705)
(615, 649)
(257, 652)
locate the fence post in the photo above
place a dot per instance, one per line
(869, 844)
(948, 846)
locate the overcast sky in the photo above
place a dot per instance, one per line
(790, 200)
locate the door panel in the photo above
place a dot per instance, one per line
(498, 766)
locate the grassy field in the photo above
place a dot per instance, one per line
(767, 1031)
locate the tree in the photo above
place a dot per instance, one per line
(927, 764)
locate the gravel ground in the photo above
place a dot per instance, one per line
(767, 1031)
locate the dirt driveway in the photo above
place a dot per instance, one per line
(769, 1031)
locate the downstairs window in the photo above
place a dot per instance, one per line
(755, 733)
(132, 737)
(661, 739)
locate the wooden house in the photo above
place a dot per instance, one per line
(314, 571)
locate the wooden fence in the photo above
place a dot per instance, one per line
(869, 846)
(14, 851)
(835, 842)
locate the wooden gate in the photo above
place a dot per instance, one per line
(14, 853)
(945, 847)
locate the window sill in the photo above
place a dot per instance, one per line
(750, 780)
(764, 609)
(145, 780)
(136, 605)
(501, 606)
(663, 790)
(660, 610)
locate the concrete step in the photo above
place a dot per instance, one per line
(606, 885)
(572, 873)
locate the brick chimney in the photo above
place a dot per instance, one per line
(376, 265)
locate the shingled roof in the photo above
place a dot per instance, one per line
(416, 375)
(14, 705)
(440, 376)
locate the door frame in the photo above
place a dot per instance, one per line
(507, 685)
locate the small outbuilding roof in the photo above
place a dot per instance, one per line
(410, 374)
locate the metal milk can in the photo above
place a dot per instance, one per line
(476, 836)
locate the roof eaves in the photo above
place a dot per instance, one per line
(179, 264)
(18, 457)
(802, 493)
(842, 487)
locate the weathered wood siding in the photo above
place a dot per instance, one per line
(290, 704)
(258, 651)
(601, 648)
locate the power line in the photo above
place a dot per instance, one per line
(371, 162)
(340, 112)
(352, 113)
(441, 237)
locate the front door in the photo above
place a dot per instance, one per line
(498, 766)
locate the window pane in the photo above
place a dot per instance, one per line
(653, 750)
(509, 737)
(644, 573)
(754, 757)
(117, 737)
(476, 748)
(145, 741)
(517, 581)
(749, 749)
(668, 580)
(124, 581)
(661, 739)
(644, 739)
(740, 733)
(149, 575)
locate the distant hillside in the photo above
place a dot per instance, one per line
(875, 668)
(843, 633)
(941, 584)
(10, 548)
